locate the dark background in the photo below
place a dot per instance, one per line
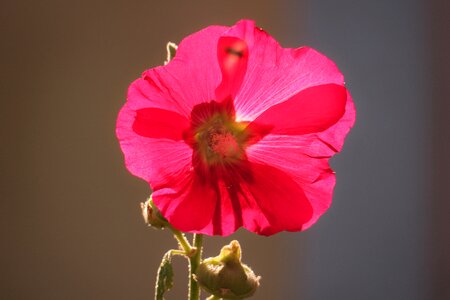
(70, 219)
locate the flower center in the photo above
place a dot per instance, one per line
(220, 140)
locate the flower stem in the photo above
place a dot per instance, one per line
(181, 238)
(212, 297)
(194, 254)
(194, 262)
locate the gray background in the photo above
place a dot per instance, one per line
(373, 243)
(70, 220)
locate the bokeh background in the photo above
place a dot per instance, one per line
(70, 220)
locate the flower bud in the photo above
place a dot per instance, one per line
(152, 216)
(225, 276)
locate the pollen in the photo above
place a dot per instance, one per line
(222, 142)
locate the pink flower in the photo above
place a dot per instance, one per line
(237, 131)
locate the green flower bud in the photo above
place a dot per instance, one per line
(225, 276)
(151, 215)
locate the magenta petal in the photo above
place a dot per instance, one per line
(187, 203)
(189, 79)
(160, 123)
(334, 136)
(232, 54)
(157, 160)
(312, 110)
(269, 203)
(275, 74)
(305, 162)
(305, 159)
(280, 200)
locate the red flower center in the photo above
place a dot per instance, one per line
(220, 139)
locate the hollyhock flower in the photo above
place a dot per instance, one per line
(237, 131)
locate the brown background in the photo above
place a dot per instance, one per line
(71, 225)
(70, 220)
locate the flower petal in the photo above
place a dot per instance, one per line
(232, 54)
(187, 80)
(312, 110)
(305, 159)
(313, 175)
(280, 200)
(160, 123)
(143, 155)
(193, 205)
(275, 74)
(268, 203)
(335, 135)
(188, 204)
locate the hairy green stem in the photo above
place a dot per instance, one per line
(182, 240)
(194, 254)
(177, 252)
(194, 262)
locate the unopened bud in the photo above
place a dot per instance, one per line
(225, 276)
(151, 214)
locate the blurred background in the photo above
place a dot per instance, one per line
(70, 219)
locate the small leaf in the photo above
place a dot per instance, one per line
(164, 279)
